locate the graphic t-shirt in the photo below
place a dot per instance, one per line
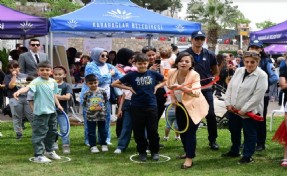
(95, 104)
(143, 84)
(64, 89)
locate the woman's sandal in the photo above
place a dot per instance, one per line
(183, 166)
(284, 163)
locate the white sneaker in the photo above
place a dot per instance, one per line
(66, 149)
(118, 151)
(109, 143)
(55, 146)
(52, 155)
(41, 159)
(165, 138)
(177, 138)
(94, 149)
(1, 135)
(105, 148)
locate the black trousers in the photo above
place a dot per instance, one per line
(261, 126)
(160, 100)
(188, 138)
(145, 119)
(211, 117)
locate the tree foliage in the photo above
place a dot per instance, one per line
(155, 5)
(60, 7)
(265, 24)
(214, 15)
(175, 5)
(8, 3)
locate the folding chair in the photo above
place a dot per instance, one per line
(281, 110)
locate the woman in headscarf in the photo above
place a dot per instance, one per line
(105, 72)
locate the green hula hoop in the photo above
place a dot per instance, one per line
(186, 115)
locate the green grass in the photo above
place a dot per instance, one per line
(14, 157)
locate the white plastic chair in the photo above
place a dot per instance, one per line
(281, 110)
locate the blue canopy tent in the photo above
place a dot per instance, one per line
(119, 18)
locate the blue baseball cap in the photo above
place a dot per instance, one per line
(197, 34)
(257, 43)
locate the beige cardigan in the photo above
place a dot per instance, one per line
(197, 107)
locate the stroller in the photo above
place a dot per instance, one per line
(222, 121)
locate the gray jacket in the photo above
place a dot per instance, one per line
(247, 95)
(28, 64)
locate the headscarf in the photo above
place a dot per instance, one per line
(95, 55)
(123, 56)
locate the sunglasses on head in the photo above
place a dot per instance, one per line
(199, 38)
(35, 45)
(251, 54)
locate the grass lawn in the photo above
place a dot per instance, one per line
(14, 157)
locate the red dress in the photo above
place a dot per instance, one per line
(280, 135)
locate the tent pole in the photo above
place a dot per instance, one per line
(46, 44)
(51, 48)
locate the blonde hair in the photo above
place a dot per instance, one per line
(165, 52)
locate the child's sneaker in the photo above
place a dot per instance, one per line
(105, 148)
(94, 149)
(1, 135)
(177, 138)
(55, 146)
(165, 138)
(66, 149)
(118, 151)
(284, 163)
(41, 159)
(52, 155)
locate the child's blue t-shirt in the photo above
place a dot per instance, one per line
(44, 91)
(143, 84)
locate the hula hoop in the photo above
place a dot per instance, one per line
(186, 115)
(68, 126)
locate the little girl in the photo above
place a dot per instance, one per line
(280, 136)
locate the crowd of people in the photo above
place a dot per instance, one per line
(143, 84)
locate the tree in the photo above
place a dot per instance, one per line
(60, 7)
(175, 5)
(8, 3)
(214, 15)
(155, 5)
(265, 24)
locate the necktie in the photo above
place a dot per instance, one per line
(37, 58)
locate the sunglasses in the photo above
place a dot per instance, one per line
(251, 54)
(199, 38)
(104, 55)
(35, 45)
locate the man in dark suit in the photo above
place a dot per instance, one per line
(28, 61)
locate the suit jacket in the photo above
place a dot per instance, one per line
(197, 107)
(28, 64)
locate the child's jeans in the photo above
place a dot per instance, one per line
(126, 132)
(92, 132)
(19, 109)
(171, 118)
(44, 132)
(62, 122)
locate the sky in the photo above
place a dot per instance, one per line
(256, 10)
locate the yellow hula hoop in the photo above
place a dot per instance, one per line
(186, 115)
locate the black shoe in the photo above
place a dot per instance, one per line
(214, 146)
(143, 157)
(230, 154)
(245, 160)
(155, 156)
(19, 136)
(260, 148)
(161, 146)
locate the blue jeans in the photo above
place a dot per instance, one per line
(62, 122)
(126, 132)
(92, 132)
(108, 121)
(86, 140)
(236, 123)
